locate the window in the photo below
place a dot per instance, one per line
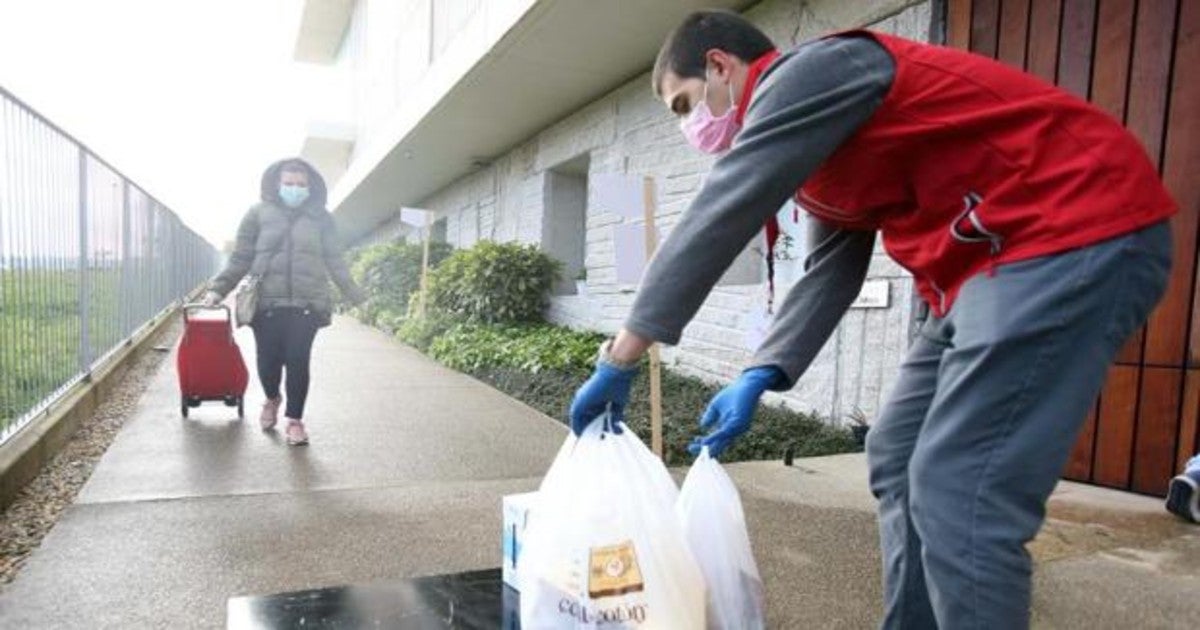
(438, 231)
(564, 223)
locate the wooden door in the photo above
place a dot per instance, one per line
(1136, 59)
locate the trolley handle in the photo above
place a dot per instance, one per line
(200, 306)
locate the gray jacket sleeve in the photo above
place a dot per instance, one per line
(833, 275)
(804, 107)
(242, 258)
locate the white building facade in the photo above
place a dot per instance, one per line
(496, 114)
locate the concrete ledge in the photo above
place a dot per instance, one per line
(24, 455)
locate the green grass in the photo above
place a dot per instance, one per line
(40, 329)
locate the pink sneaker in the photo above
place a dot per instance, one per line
(270, 413)
(296, 435)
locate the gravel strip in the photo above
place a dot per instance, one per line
(38, 506)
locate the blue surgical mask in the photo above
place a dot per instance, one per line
(293, 195)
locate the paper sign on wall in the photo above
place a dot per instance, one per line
(618, 193)
(629, 250)
(874, 294)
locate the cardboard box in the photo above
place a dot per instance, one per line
(517, 508)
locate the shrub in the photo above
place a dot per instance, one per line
(482, 319)
(494, 282)
(390, 273)
(420, 332)
(684, 400)
(530, 348)
(542, 365)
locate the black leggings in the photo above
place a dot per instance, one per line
(284, 337)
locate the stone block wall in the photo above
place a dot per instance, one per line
(629, 131)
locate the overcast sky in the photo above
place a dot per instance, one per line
(190, 99)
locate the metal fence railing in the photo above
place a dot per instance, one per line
(86, 260)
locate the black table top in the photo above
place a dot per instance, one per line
(475, 600)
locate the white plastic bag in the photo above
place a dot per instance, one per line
(710, 512)
(603, 548)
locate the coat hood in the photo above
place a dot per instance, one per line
(317, 193)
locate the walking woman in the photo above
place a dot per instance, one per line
(289, 241)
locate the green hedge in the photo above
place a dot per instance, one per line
(390, 273)
(420, 333)
(542, 365)
(494, 282)
(532, 348)
(484, 319)
(684, 400)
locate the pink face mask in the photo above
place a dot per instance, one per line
(708, 133)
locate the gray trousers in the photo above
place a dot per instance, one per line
(983, 416)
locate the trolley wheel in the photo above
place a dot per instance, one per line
(241, 408)
(183, 405)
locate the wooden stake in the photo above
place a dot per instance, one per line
(426, 232)
(656, 418)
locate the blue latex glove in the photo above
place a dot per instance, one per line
(606, 390)
(732, 409)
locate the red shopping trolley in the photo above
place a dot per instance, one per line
(209, 363)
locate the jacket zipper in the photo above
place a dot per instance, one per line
(995, 242)
(290, 250)
(971, 202)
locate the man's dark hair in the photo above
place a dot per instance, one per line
(702, 31)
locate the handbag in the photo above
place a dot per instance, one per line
(246, 301)
(249, 292)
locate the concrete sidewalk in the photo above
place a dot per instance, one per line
(404, 476)
(1104, 559)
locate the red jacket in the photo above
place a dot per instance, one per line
(968, 164)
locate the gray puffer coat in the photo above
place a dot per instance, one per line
(295, 251)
